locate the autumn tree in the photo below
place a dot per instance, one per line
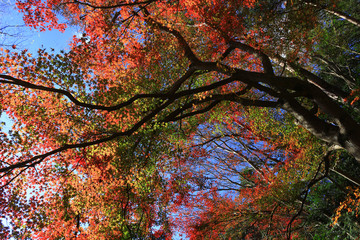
(108, 117)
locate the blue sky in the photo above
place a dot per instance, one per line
(29, 38)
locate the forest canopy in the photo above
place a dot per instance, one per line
(213, 119)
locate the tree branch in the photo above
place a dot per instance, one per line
(124, 4)
(262, 56)
(313, 181)
(39, 158)
(337, 13)
(188, 52)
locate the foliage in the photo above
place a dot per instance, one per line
(221, 119)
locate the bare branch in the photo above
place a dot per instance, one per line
(337, 13)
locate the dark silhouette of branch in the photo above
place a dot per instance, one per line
(313, 181)
(124, 4)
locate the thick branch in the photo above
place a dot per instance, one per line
(332, 91)
(124, 4)
(233, 97)
(263, 57)
(15, 81)
(346, 134)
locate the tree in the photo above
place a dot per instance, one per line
(155, 67)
